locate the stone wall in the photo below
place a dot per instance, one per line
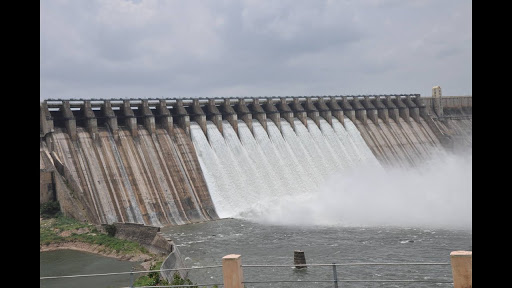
(149, 237)
(46, 187)
(173, 261)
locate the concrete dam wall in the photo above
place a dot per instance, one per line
(174, 161)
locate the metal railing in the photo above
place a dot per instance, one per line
(132, 274)
(335, 280)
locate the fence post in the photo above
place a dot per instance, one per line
(335, 275)
(462, 269)
(232, 271)
(131, 278)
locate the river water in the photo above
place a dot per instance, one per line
(205, 244)
(70, 262)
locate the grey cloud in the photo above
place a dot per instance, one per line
(267, 47)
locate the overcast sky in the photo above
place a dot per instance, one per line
(221, 48)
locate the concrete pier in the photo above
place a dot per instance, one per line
(258, 112)
(360, 111)
(45, 119)
(324, 111)
(89, 119)
(336, 110)
(312, 112)
(147, 115)
(213, 114)
(272, 112)
(198, 115)
(229, 114)
(299, 112)
(348, 110)
(111, 119)
(392, 109)
(414, 111)
(422, 107)
(164, 117)
(129, 118)
(371, 111)
(243, 112)
(285, 111)
(69, 119)
(182, 116)
(403, 110)
(382, 110)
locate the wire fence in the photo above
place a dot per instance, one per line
(334, 279)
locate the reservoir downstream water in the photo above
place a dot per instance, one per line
(70, 262)
(204, 244)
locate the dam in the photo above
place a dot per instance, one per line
(182, 160)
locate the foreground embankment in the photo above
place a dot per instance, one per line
(66, 233)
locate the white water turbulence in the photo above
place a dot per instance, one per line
(437, 194)
(326, 175)
(248, 172)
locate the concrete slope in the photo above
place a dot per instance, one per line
(152, 179)
(400, 143)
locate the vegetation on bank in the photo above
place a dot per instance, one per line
(154, 279)
(54, 228)
(63, 229)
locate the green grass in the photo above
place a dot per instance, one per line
(50, 230)
(152, 278)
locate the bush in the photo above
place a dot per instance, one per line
(180, 281)
(111, 230)
(152, 278)
(49, 209)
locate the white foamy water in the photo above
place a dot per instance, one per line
(354, 140)
(327, 175)
(249, 173)
(435, 194)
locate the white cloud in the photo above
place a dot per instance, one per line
(119, 48)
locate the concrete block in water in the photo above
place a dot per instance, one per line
(299, 259)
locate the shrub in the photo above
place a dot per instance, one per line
(180, 281)
(152, 278)
(49, 209)
(111, 229)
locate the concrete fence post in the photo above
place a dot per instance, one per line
(462, 269)
(232, 271)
